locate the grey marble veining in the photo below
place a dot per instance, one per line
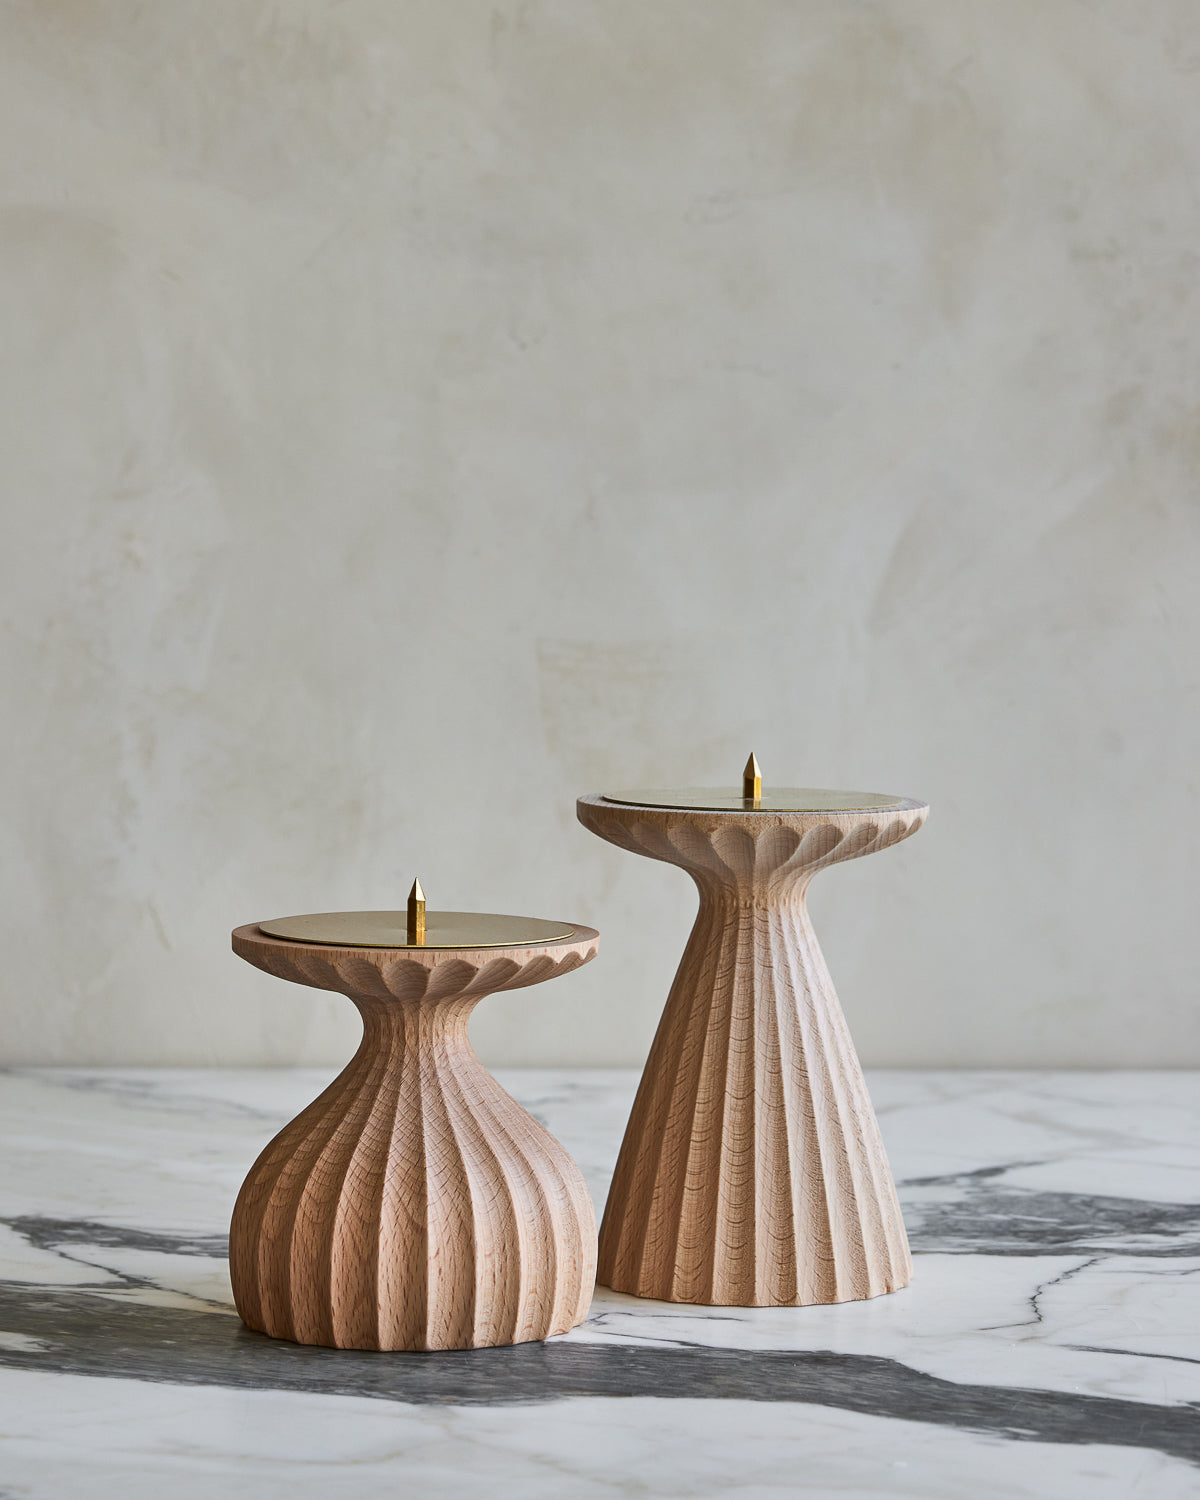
(1048, 1344)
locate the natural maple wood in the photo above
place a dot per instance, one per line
(414, 1204)
(752, 1172)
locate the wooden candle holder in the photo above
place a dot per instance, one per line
(414, 1204)
(752, 1172)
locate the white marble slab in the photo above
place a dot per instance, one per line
(1049, 1344)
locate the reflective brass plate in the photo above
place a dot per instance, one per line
(774, 799)
(443, 929)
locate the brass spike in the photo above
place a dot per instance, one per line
(752, 780)
(416, 915)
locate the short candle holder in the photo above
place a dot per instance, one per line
(752, 1171)
(414, 1204)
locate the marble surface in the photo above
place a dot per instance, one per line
(1049, 1344)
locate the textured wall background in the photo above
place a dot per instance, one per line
(414, 416)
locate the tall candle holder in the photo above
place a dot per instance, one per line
(752, 1172)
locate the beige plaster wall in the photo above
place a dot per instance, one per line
(416, 415)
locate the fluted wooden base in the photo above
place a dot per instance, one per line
(414, 1204)
(752, 1172)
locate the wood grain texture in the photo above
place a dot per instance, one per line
(752, 1171)
(414, 1204)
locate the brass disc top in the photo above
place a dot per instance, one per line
(786, 799)
(442, 929)
(752, 798)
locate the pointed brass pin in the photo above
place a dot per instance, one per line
(416, 915)
(752, 780)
